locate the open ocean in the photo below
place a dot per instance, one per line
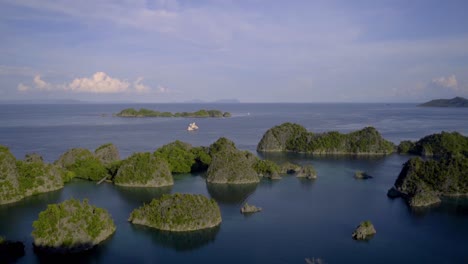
(300, 218)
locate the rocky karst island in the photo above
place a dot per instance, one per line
(424, 182)
(178, 213)
(295, 138)
(202, 113)
(71, 226)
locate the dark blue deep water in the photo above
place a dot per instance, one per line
(301, 218)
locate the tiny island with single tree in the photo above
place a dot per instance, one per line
(143, 112)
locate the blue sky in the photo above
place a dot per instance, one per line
(254, 50)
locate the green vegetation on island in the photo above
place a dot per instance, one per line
(295, 138)
(19, 179)
(71, 226)
(202, 113)
(421, 182)
(183, 158)
(364, 231)
(454, 102)
(144, 170)
(230, 165)
(83, 164)
(267, 169)
(178, 212)
(437, 145)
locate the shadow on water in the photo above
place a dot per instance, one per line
(142, 195)
(230, 193)
(449, 206)
(92, 255)
(180, 241)
(306, 184)
(282, 157)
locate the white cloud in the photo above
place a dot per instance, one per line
(140, 87)
(23, 88)
(162, 89)
(449, 82)
(100, 82)
(41, 84)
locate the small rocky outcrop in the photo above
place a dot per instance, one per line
(423, 199)
(10, 251)
(267, 169)
(71, 226)
(361, 175)
(107, 153)
(230, 165)
(249, 209)
(290, 168)
(144, 170)
(308, 172)
(422, 183)
(364, 231)
(178, 212)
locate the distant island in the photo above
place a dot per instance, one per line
(202, 113)
(454, 102)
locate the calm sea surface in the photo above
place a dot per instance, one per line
(301, 219)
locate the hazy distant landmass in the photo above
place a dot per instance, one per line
(43, 101)
(454, 102)
(220, 101)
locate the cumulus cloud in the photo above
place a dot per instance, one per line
(41, 84)
(140, 87)
(449, 82)
(22, 87)
(100, 82)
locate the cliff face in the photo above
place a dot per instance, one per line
(295, 138)
(178, 212)
(107, 153)
(277, 138)
(144, 170)
(72, 226)
(423, 182)
(230, 165)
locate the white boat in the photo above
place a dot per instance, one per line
(192, 127)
